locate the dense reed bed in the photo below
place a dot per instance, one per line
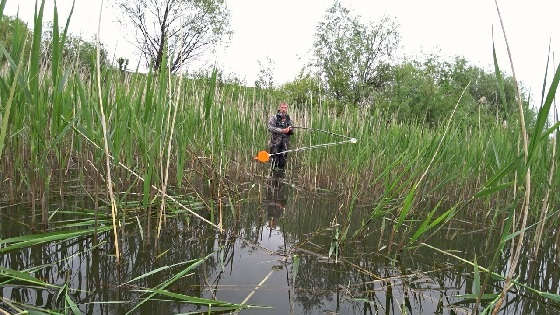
(218, 129)
(170, 135)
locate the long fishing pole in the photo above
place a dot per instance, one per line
(264, 156)
(321, 130)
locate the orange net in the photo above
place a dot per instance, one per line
(263, 157)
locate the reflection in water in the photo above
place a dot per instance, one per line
(266, 236)
(276, 200)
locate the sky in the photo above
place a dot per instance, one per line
(283, 31)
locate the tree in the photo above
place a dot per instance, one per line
(265, 77)
(351, 57)
(10, 28)
(76, 51)
(304, 90)
(123, 64)
(187, 27)
(425, 90)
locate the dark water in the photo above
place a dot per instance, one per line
(278, 228)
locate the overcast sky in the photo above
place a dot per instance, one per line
(283, 30)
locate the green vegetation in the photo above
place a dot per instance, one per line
(353, 58)
(436, 140)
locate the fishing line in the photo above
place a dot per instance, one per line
(351, 140)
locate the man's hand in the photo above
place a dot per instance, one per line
(286, 130)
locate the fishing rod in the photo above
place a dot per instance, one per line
(264, 156)
(321, 130)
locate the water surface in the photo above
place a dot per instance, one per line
(282, 237)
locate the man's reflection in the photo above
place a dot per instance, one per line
(275, 201)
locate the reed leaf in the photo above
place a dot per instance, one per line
(542, 116)
(467, 298)
(476, 282)
(158, 270)
(24, 277)
(295, 268)
(407, 205)
(5, 117)
(499, 175)
(65, 33)
(508, 237)
(545, 72)
(197, 300)
(31, 240)
(424, 226)
(55, 47)
(499, 78)
(548, 295)
(168, 282)
(443, 217)
(36, 51)
(550, 130)
(209, 98)
(492, 190)
(75, 309)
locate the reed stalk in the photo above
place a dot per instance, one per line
(545, 205)
(408, 201)
(5, 118)
(144, 136)
(514, 257)
(174, 200)
(169, 143)
(109, 182)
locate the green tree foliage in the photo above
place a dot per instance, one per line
(78, 52)
(305, 90)
(123, 64)
(425, 92)
(265, 77)
(351, 57)
(11, 27)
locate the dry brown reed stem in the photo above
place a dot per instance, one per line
(515, 176)
(256, 288)
(297, 248)
(170, 140)
(514, 257)
(153, 186)
(544, 210)
(443, 137)
(105, 143)
(162, 147)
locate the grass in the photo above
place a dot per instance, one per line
(159, 134)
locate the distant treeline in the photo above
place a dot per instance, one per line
(422, 90)
(76, 50)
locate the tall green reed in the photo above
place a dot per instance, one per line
(109, 180)
(8, 106)
(220, 126)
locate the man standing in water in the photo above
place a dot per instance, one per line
(280, 127)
